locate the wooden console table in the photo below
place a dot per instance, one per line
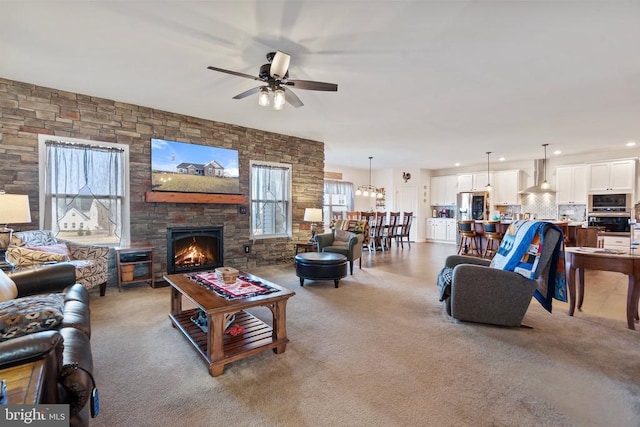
(578, 260)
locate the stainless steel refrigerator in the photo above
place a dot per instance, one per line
(472, 206)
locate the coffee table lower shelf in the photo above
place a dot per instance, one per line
(257, 337)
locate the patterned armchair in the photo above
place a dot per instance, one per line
(37, 247)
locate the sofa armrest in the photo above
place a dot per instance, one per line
(46, 279)
(29, 348)
(355, 245)
(323, 240)
(454, 260)
(86, 251)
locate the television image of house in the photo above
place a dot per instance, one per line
(212, 168)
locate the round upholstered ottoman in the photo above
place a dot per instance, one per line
(321, 266)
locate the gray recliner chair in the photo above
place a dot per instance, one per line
(342, 242)
(483, 294)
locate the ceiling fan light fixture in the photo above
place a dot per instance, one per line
(278, 99)
(263, 97)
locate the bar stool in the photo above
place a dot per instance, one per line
(493, 236)
(468, 238)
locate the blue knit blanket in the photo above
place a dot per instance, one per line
(520, 252)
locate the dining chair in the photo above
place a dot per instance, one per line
(391, 230)
(405, 229)
(378, 230)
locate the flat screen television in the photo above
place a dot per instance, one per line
(193, 168)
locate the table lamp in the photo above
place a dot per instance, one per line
(313, 215)
(14, 209)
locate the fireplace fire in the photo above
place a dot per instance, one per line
(194, 248)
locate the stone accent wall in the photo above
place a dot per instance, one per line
(27, 110)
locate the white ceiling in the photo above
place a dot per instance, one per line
(420, 83)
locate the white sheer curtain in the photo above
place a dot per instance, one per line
(342, 188)
(270, 200)
(84, 191)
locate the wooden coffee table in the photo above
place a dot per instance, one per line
(214, 346)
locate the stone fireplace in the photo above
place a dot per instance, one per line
(194, 248)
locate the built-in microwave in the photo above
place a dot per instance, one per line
(603, 203)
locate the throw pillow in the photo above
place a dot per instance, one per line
(58, 248)
(22, 316)
(341, 236)
(8, 289)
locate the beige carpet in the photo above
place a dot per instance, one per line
(378, 351)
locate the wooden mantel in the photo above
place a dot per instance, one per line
(169, 197)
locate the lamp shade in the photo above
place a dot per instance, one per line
(313, 215)
(14, 209)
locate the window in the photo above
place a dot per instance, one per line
(85, 184)
(270, 200)
(338, 198)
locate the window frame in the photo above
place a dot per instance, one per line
(288, 186)
(125, 238)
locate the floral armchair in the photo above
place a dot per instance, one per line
(37, 247)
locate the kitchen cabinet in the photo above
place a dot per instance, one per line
(441, 229)
(473, 181)
(617, 176)
(429, 232)
(506, 188)
(452, 230)
(618, 243)
(571, 185)
(444, 190)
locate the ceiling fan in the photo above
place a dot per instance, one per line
(276, 76)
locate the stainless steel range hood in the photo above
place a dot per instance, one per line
(538, 179)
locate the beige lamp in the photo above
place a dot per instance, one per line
(14, 209)
(313, 215)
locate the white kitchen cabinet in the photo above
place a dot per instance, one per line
(618, 243)
(441, 229)
(452, 230)
(571, 185)
(473, 181)
(444, 190)
(617, 176)
(506, 188)
(430, 228)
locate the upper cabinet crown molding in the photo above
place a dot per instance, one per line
(616, 176)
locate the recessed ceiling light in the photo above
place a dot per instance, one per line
(458, 164)
(501, 159)
(631, 144)
(557, 152)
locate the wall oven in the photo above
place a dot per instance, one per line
(612, 212)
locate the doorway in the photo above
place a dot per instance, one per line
(407, 201)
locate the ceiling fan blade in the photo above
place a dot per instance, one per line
(292, 98)
(248, 92)
(234, 73)
(279, 65)
(311, 85)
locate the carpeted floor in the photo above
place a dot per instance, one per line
(377, 351)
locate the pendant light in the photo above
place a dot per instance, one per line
(488, 187)
(368, 190)
(545, 184)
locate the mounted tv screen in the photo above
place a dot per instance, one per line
(193, 168)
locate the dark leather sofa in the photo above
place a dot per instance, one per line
(61, 348)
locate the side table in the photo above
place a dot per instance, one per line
(132, 258)
(305, 247)
(24, 382)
